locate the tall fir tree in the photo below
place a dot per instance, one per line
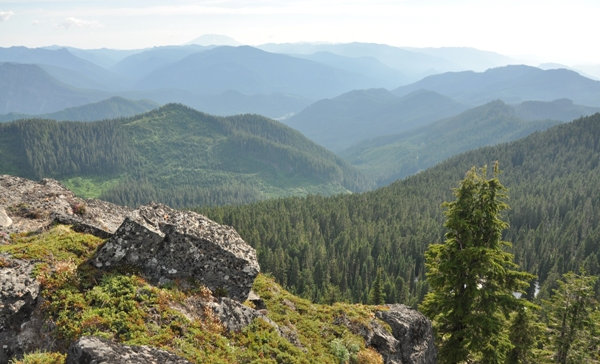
(472, 279)
(376, 295)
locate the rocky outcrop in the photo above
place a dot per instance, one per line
(32, 206)
(163, 244)
(400, 334)
(410, 340)
(93, 350)
(168, 244)
(19, 292)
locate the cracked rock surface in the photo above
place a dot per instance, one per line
(167, 244)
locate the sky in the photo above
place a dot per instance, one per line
(562, 31)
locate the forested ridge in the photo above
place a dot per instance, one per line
(398, 156)
(175, 155)
(331, 248)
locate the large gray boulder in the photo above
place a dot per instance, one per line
(93, 350)
(167, 244)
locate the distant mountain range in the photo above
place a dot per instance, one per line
(345, 120)
(511, 84)
(112, 108)
(392, 157)
(264, 81)
(251, 71)
(176, 155)
(414, 63)
(278, 80)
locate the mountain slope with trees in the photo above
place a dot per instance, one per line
(175, 155)
(331, 248)
(397, 156)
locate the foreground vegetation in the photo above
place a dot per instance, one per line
(122, 306)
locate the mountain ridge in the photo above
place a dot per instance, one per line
(515, 83)
(397, 156)
(178, 155)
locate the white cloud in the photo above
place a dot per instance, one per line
(5, 15)
(72, 22)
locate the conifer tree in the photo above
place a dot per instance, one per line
(376, 296)
(472, 279)
(524, 332)
(571, 320)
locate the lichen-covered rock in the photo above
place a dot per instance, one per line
(19, 292)
(235, 316)
(32, 206)
(93, 350)
(166, 244)
(411, 340)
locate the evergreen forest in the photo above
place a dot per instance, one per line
(331, 248)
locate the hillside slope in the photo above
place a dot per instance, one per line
(397, 156)
(175, 155)
(333, 247)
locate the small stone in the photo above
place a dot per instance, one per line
(5, 220)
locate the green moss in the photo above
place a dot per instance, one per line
(316, 326)
(59, 244)
(41, 358)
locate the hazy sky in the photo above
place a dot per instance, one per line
(553, 31)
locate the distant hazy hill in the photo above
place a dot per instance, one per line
(29, 89)
(63, 65)
(112, 108)
(355, 116)
(414, 63)
(139, 65)
(251, 71)
(175, 155)
(381, 74)
(397, 156)
(511, 84)
(562, 109)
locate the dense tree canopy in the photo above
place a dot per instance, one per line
(313, 243)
